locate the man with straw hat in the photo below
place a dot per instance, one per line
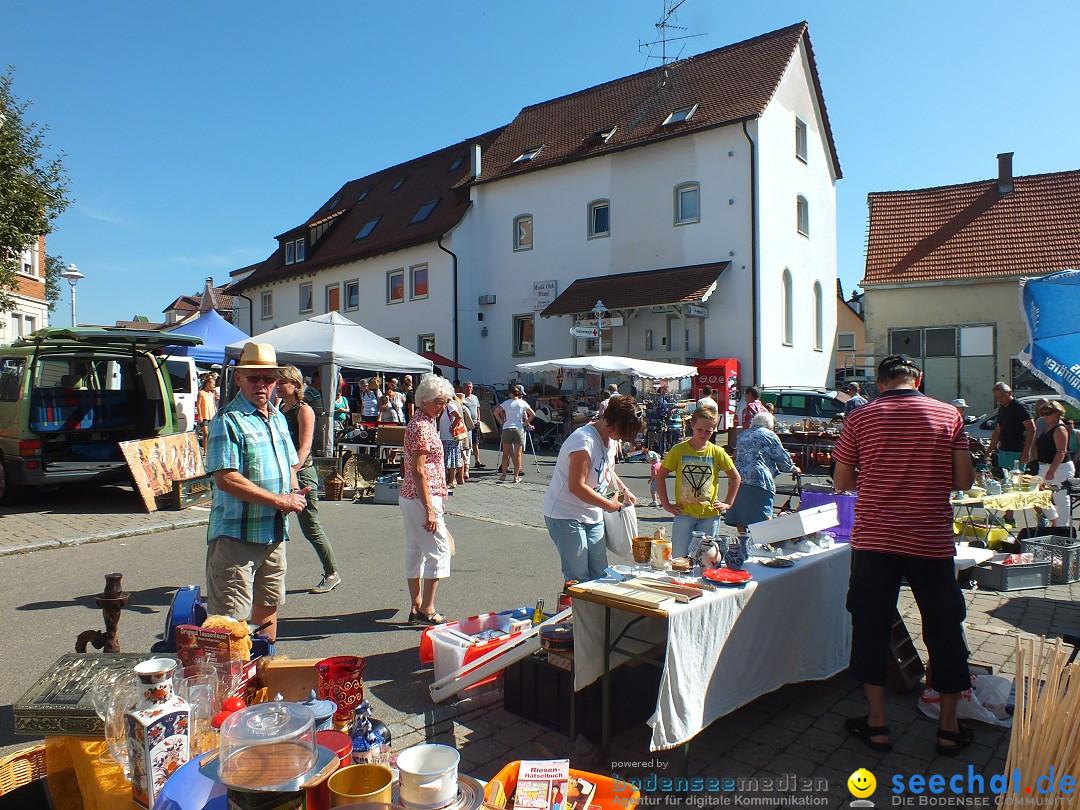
(250, 454)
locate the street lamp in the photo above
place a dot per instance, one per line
(599, 309)
(72, 275)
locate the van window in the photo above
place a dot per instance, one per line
(179, 373)
(11, 375)
(828, 408)
(792, 404)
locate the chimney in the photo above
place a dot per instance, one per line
(208, 300)
(1005, 173)
(475, 166)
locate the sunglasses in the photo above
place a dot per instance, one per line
(263, 379)
(1050, 412)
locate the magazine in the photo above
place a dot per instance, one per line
(579, 793)
(542, 784)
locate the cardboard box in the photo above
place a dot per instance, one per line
(293, 679)
(797, 524)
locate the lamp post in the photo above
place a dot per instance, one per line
(72, 275)
(599, 309)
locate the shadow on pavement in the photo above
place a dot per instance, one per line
(80, 499)
(312, 628)
(1039, 615)
(147, 602)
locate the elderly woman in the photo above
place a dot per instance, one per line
(514, 414)
(1055, 466)
(369, 399)
(301, 420)
(759, 457)
(423, 491)
(583, 487)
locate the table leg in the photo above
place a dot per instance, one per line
(605, 690)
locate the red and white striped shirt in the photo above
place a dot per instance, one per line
(902, 444)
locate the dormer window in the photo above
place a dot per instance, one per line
(300, 250)
(294, 251)
(369, 226)
(400, 182)
(424, 212)
(457, 164)
(363, 194)
(529, 154)
(680, 115)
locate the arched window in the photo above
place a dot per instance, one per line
(523, 232)
(599, 219)
(687, 203)
(802, 215)
(788, 305)
(819, 319)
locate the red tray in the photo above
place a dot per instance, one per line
(725, 576)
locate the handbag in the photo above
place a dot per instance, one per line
(619, 529)
(458, 429)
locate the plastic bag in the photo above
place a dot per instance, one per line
(987, 701)
(619, 528)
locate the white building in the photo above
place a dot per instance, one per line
(697, 200)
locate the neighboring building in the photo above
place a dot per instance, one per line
(852, 355)
(942, 271)
(31, 309)
(648, 192)
(189, 306)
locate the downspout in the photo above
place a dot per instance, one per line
(755, 324)
(454, 320)
(251, 313)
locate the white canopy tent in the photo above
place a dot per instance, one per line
(611, 364)
(332, 341)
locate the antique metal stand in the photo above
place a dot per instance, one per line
(111, 602)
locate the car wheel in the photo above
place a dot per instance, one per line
(10, 494)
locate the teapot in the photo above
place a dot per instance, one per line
(707, 551)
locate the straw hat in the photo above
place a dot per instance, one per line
(959, 403)
(258, 356)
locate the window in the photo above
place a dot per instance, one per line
(802, 215)
(845, 341)
(333, 297)
(800, 140)
(819, 318)
(400, 182)
(906, 341)
(352, 295)
(599, 219)
(300, 250)
(529, 154)
(523, 232)
(680, 115)
(290, 252)
(395, 286)
(424, 212)
(369, 226)
(12, 370)
(266, 301)
(305, 297)
(457, 164)
(425, 343)
(333, 203)
(601, 135)
(29, 323)
(788, 308)
(363, 194)
(941, 342)
(524, 334)
(418, 281)
(687, 203)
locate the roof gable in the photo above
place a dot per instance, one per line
(971, 232)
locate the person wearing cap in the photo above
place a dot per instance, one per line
(904, 453)
(251, 456)
(855, 399)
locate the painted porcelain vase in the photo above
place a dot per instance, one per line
(157, 730)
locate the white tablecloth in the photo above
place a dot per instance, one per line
(732, 646)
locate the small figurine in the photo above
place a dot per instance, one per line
(368, 746)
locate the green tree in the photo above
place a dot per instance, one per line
(33, 187)
(54, 266)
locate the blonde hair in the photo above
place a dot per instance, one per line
(705, 413)
(292, 375)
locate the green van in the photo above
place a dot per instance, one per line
(67, 396)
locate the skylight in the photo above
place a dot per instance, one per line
(369, 226)
(333, 203)
(602, 135)
(529, 154)
(424, 212)
(363, 194)
(398, 184)
(457, 164)
(681, 115)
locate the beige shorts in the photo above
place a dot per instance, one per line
(239, 575)
(513, 435)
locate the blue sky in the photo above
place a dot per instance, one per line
(196, 131)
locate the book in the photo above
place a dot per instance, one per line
(542, 784)
(579, 793)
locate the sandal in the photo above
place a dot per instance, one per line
(414, 616)
(858, 728)
(430, 618)
(960, 739)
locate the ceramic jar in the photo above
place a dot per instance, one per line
(157, 730)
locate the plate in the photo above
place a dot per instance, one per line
(778, 562)
(725, 576)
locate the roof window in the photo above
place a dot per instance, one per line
(457, 164)
(424, 212)
(363, 194)
(680, 115)
(400, 182)
(602, 135)
(334, 202)
(369, 226)
(529, 154)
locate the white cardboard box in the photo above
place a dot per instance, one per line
(797, 524)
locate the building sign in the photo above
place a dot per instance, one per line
(544, 293)
(695, 311)
(610, 321)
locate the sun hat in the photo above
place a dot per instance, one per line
(258, 356)
(959, 403)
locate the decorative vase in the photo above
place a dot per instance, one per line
(341, 679)
(157, 730)
(738, 551)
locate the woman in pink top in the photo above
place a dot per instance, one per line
(752, 407)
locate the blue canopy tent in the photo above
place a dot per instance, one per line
(1049, 306)
(216, 334)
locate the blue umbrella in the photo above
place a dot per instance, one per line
(1049, 305)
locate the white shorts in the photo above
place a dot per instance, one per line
(427, 554)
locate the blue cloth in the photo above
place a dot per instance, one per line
(581, 548)
(261, 450)
(684, 526)
(759, 457)
(1049, 305)
(753, 504)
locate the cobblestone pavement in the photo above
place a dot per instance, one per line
(792, 734)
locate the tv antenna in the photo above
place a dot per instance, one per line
(664, 27)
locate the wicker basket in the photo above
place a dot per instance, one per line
(22, 768)
(334, 486)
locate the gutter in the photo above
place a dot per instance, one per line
(251, 313)
(754, 281)
(454, 319)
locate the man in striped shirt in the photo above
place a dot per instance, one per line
(905, 453)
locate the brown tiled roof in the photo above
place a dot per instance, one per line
(672, 285)
(971, 231)
(192, 303)
(730, 84)
(427, 178)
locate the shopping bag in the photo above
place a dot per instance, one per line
(987, 701)
(619, 528)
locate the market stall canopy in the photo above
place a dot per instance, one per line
(216, 334)
(611, 364)
(1048, 305)
(648, 288)
(442, 360)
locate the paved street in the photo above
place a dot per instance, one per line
(505, 559)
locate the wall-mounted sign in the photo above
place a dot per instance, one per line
(695, 311)
(544, 293)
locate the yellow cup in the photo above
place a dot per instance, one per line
(360, 783)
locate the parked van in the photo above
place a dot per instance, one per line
(68, 396)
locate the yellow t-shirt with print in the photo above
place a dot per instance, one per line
(697, 473)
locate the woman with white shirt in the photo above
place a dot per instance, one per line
(514, 415)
